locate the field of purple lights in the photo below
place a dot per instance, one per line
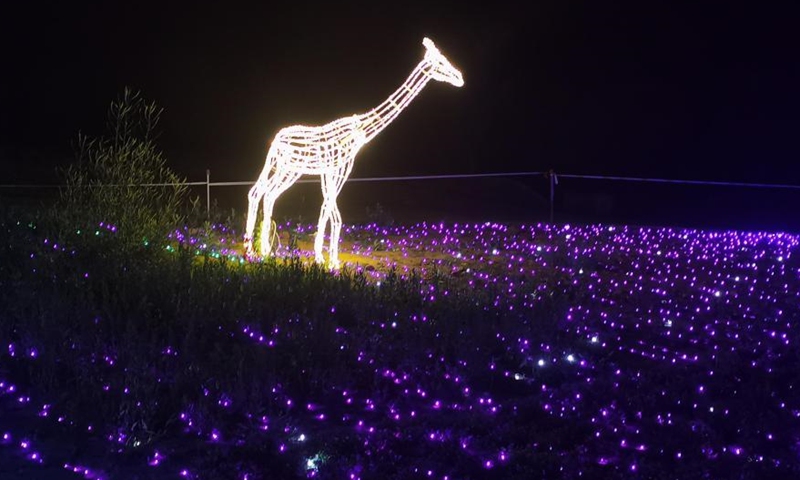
(460, 351)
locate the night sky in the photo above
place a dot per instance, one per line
(695, 90)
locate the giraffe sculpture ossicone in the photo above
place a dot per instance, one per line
(329, 151)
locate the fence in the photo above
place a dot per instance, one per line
(552, 187)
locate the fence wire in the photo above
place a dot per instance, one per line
(552, 180)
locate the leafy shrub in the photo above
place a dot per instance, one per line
(122, 178)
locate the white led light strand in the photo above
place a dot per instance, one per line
(329, 151)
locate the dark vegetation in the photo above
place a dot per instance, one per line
(106, 180)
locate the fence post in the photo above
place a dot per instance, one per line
(208, 193)
(553, 182)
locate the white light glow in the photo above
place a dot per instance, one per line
(328, 151)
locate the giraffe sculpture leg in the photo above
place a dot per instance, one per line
(335, 185)
(332, 184)
(324, 218)
(319, 238)
(253, 199)
(336, 219)
(279, 182)
(329, 215)
(266, 226)
(273, 181)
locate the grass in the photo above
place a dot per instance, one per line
(439, 351)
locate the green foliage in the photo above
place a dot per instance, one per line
(105, 184)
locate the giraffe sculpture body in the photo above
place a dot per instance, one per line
(329, 151)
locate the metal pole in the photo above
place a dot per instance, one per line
(552, 192)
(208, 193)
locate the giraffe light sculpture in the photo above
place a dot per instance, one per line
(329, 152)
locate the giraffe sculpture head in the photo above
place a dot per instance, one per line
(441, 68)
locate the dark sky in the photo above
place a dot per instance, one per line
(680, 89)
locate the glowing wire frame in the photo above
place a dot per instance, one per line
(329, 151)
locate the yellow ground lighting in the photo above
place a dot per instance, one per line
(329, 151)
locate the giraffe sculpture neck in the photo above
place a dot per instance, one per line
(373, 122)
